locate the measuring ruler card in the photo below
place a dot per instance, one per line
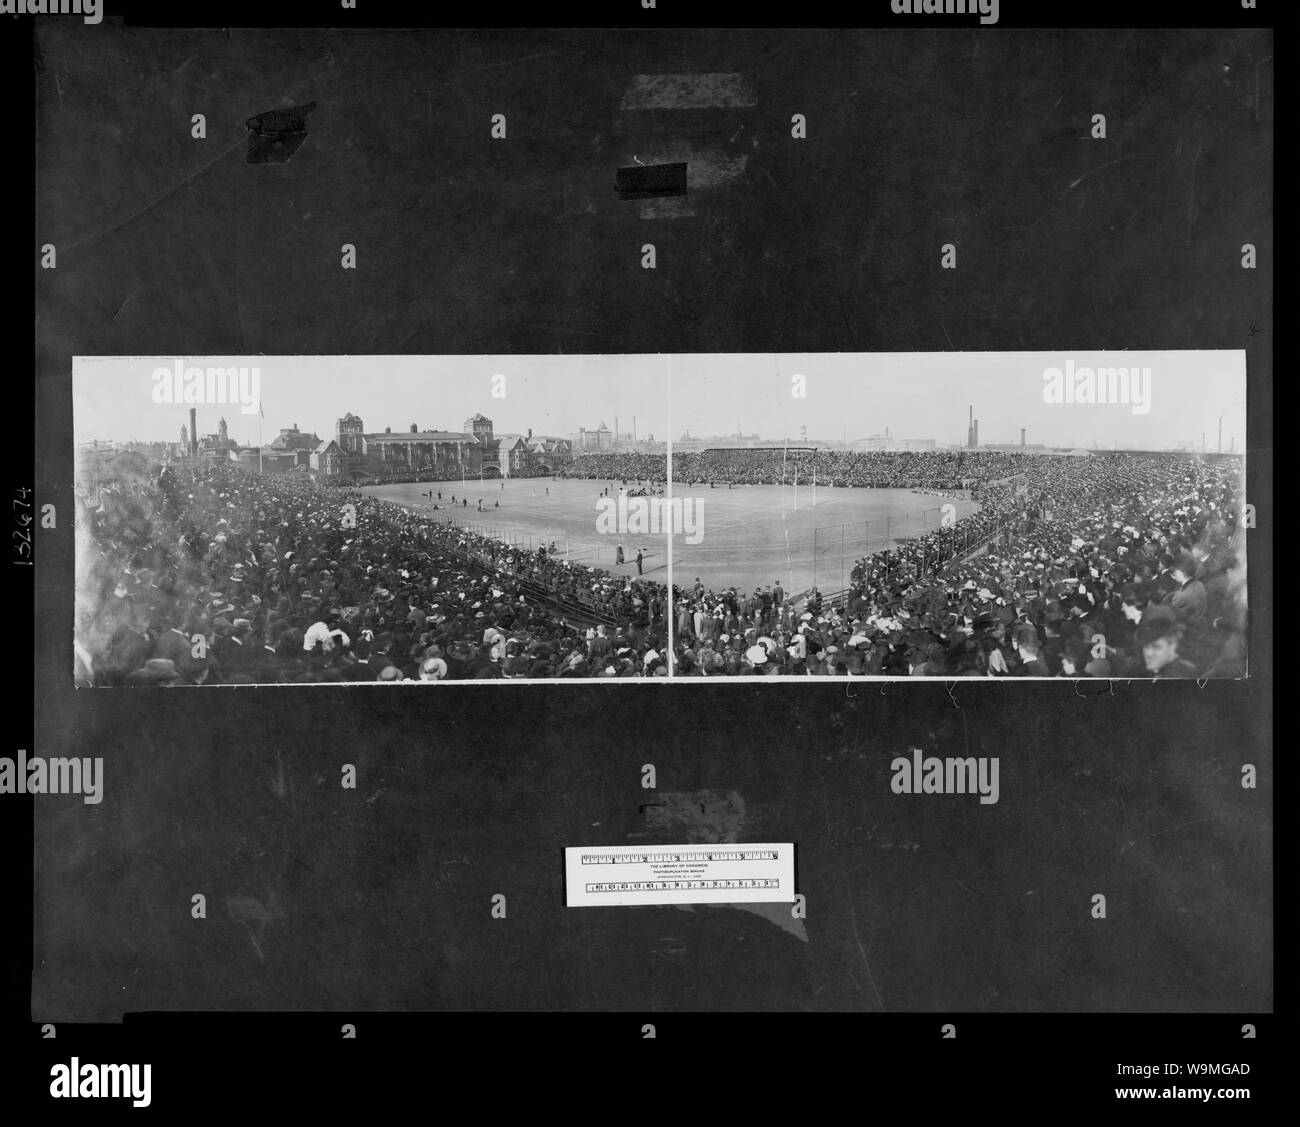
(679, 874)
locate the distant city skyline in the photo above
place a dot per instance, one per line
(852, 396)
(112, 396)
(848, 397)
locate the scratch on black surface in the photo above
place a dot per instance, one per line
(1257, 66)
(124, 304)
(853, 918)
(521, 59)
(844, 315)
(157, 199)
(1102, 168)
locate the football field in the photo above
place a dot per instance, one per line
(745, 536)
(753, 535)
(534, 512)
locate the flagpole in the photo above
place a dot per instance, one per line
(670, 609)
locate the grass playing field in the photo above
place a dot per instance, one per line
(753, 535)
(748, 536)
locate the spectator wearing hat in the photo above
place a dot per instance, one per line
(600, 647)
(684, 621)
(231, 649)
(1189, 598)
(178, 646)
(281, 664)
(361, 667)
(1158, 634)
(797, 648)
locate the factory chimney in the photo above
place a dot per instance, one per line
(194, 435)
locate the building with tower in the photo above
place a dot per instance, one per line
(349, 433)
(602, 438)
(217, 447)
(480, 426)
(432, 454)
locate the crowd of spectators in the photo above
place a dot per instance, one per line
(648, 468)
(923, 469)
(219, 576)
(1106, 565)
(1098, 566)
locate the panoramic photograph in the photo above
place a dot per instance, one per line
(957, 515)
(314, 520)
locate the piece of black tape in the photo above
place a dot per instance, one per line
(274, 136)
(650, 181)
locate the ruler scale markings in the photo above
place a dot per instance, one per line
(649, 885)
(669, 858)
(680, 874)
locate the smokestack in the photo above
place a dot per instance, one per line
(1022, 436)
(633, 428)
(970, 427)
(615, 428)
(975, 438)
(194, 435)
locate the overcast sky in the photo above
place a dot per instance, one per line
(550, 394)
(927, 395)
(849, 396)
